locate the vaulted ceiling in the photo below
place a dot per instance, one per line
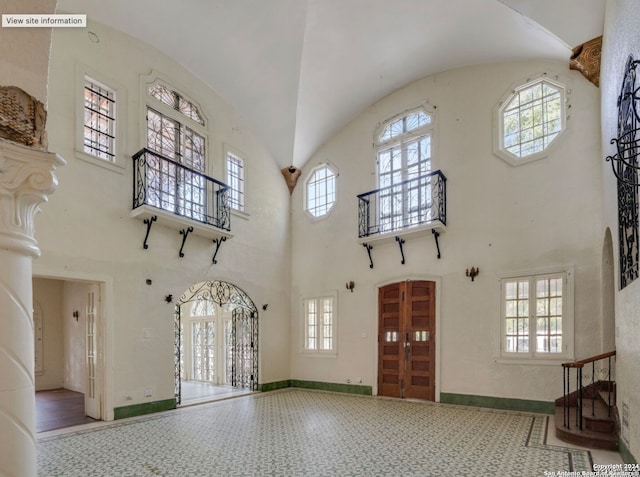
(298, 70)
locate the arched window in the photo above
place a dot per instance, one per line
(530, 119)
(320, 191)
(176, 133)
(404, 153)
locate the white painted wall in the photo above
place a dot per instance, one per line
(621, 38)
(24, 52)
(500, 218)
(85, 230)
(48, 293)
(74, 298)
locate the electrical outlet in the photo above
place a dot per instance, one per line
(148, 393)
(348, 381)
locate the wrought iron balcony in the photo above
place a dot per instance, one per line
(172, 189)
(415, 204)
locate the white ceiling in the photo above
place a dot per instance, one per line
(298, 70)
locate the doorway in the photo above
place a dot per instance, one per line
(68, 352)
(406, 340)
(216, 343)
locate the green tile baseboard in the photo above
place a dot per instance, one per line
(143, 408)
(335, 387)
(275, 385)
(625, 453)
(498, 403)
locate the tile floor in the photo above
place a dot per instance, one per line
(295, 432)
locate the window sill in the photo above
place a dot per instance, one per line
(313, 354)
(241, 214)
(555, 361)
(96, 161)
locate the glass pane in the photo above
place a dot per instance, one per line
(523, 308)
(163, 94)
(190, 110)
(530, 119)
(511, 289)
(320, 190)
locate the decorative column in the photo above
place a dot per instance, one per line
(26, 179)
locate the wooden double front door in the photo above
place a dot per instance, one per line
(406, 340)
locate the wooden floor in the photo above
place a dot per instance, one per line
(59, 408)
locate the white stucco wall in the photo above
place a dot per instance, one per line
(621, 39)
(86, 233)
(24, 52)
(49, 295)
(500, 218)
(74, 298)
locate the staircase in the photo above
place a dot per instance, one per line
(587, 415)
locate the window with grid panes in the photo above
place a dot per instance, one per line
(99, 134)
(536, 316)
(320, 191)
(175, 130)
(235, 181)
(319, 324)
(403, 159)
(530, 119)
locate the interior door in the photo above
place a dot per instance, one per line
(406, 340)
(419, 333)
(390, 344)
(92, 395)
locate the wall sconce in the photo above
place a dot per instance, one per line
(76, 314)
(473, 273)
(351, 285)
(168, 298)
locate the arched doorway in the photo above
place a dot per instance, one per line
(236, 326)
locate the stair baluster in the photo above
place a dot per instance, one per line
(598, 429)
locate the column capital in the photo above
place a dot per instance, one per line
(26, 180)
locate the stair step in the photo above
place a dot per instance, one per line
(586, 437)
(606, 426)
(607, 397)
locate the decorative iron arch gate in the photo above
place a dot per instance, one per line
(244, 332)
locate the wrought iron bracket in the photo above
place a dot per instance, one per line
(401, 243)
(148, 222)
(218, 242)
(369, 248)
(185, 233)
(436, 235)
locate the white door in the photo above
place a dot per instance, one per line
(92, 395)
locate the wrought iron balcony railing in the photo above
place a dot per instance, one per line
(170, 186)
(417, 202)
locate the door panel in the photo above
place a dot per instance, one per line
(406, 366)
(92, 394)
(389, 342)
